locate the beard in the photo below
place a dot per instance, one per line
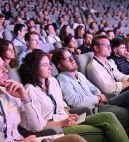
(70, 69)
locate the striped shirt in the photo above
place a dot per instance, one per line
(122, 64)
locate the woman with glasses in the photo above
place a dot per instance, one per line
(46, 95)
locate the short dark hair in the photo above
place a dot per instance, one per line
(58, 54)
(18, 27)
(116, 42)
(100, 32)
(109, 31)
(28, 35)
(85, 34)
(96, 39)
(47, 26)
(28, 70)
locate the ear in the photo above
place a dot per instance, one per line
(47, 31)
(59, 66)
(95, 48)
(115, 50)
(27, 43)
(18, 32)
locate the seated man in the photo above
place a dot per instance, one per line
(51, 34)
(119, 53)
(32, 42)
(77, 90)
(104, 73)
(19, 31)
(13, 100)
(85, 47)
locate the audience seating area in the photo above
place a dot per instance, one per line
(93, 15)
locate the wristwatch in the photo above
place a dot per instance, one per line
(27, 101)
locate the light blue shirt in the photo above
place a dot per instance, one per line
(21, 57)
(79, 91)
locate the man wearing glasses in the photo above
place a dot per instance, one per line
(104, 73)
(78, 91)
(14, 101)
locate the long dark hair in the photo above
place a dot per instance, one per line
(63, 32)
(28, 70)
(3, 48)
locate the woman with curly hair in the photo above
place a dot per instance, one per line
(46, 95)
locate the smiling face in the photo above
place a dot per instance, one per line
(3, 73)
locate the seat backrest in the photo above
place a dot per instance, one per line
(82, 61)
(47, 47)
(13, 74)
(19, 49)
(54, 70)
(79, 41)
(58, 44)
(8, 35)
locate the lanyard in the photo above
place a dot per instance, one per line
(20, 40)
(77, 79)
(111, 70)
(5, 120)
(53, 101)
(48, 93)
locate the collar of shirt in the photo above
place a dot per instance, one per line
(71, 76)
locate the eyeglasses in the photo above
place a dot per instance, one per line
(69, 59)
(106, 45)
(34, 40)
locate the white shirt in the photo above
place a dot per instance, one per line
(104, 80)
(15, 112)
(53, 39)
(43, 103)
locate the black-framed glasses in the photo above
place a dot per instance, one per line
(69, 59)
(105, 45)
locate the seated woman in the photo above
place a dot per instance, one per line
(79, 33)
(65, 31)
(7, 53)
(71, 43)
(46, 94)
(16, 104)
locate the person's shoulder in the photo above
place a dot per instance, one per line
(29, 86)
(61, 77)
(52, 79)
(23, 54)
(15, 39)
(92, 66)
(80, 74)
(91, 63)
